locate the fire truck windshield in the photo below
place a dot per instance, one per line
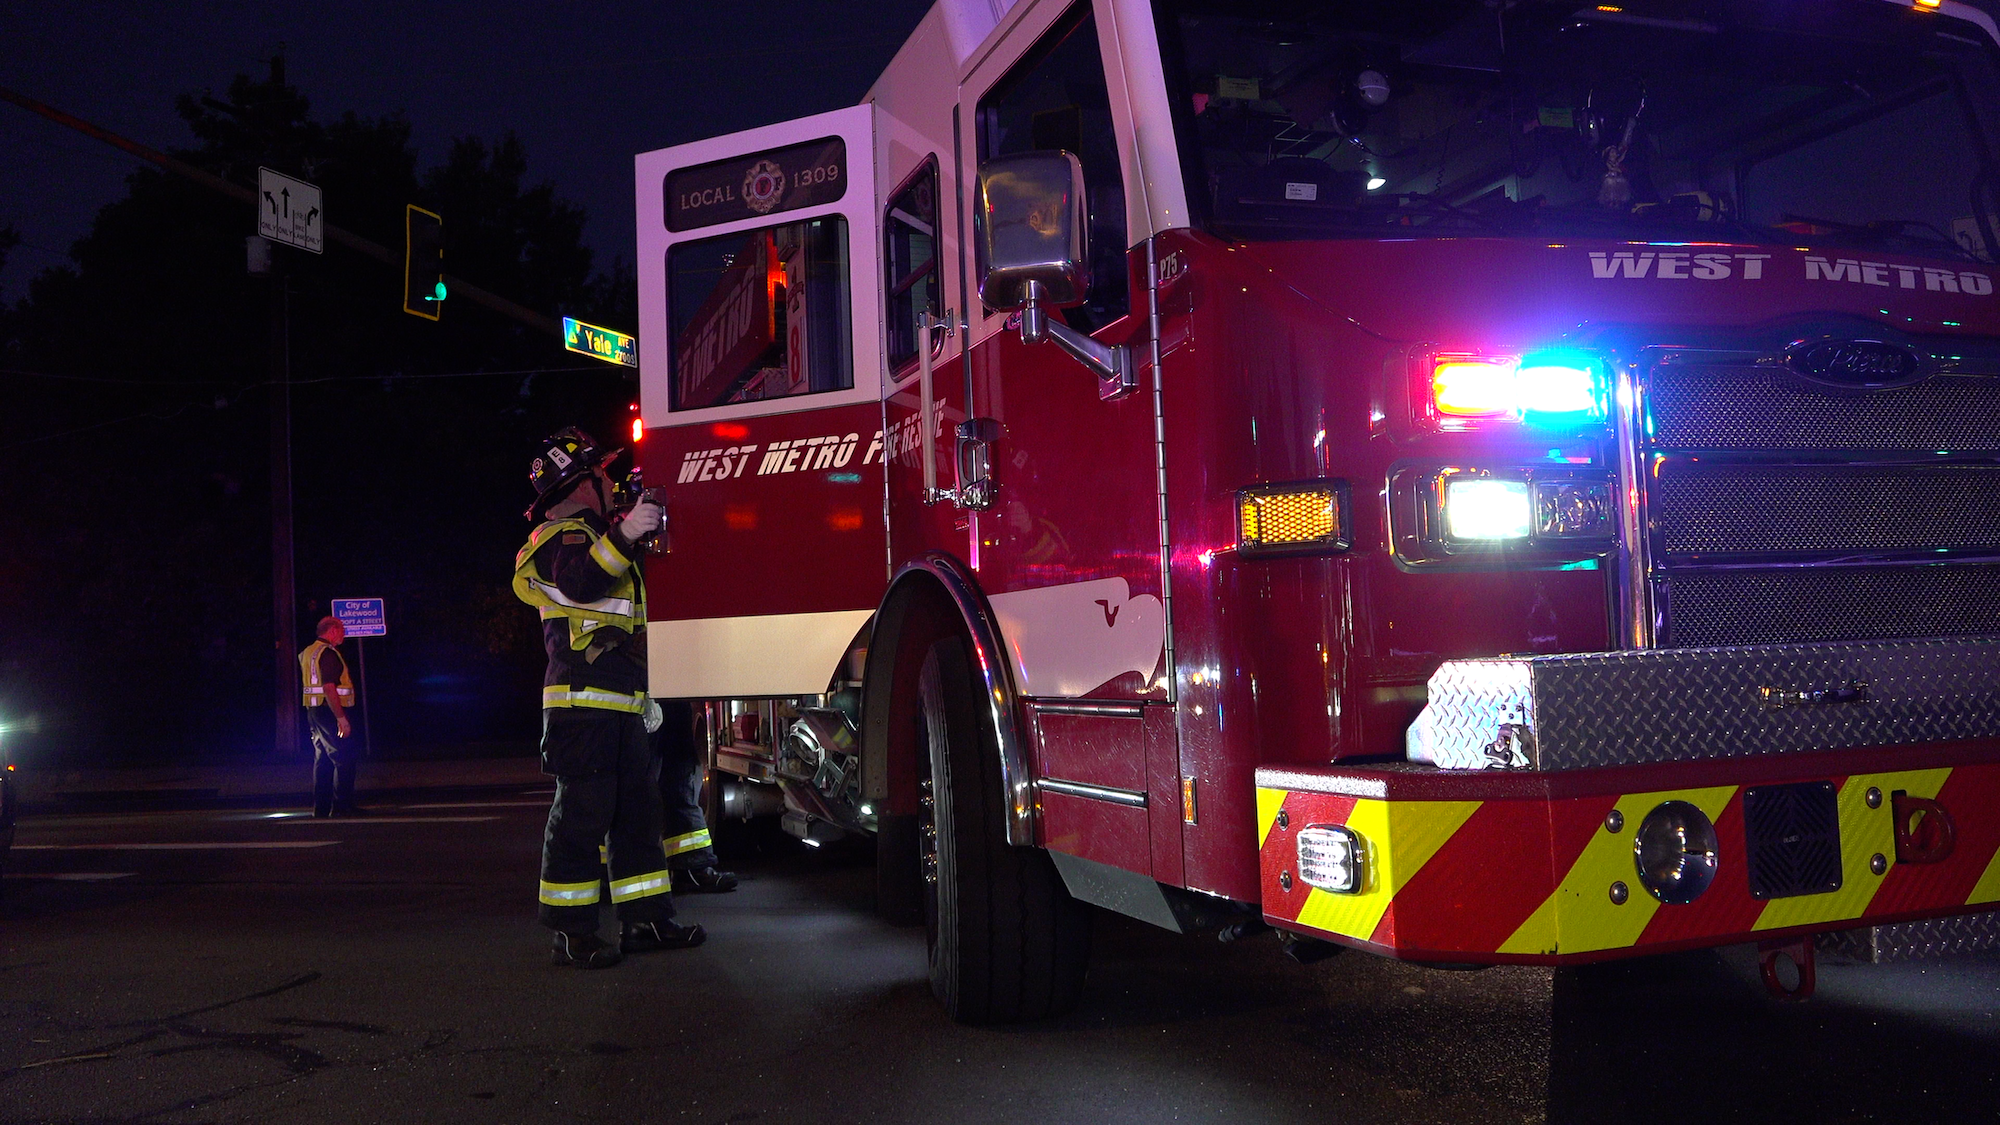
(1842, 122)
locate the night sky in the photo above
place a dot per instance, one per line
(585, 86)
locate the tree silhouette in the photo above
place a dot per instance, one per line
(135, 598)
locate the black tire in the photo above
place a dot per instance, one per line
(1007, 942)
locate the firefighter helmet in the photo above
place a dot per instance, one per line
(567, 456)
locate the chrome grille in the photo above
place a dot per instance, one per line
(1735, 510)
(1744, 406)
(1778, 511)
(1773, 606)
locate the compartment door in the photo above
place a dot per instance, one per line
(760, 382)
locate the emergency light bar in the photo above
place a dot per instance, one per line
(1553, 389)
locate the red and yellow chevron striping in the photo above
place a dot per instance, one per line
(1493, 867)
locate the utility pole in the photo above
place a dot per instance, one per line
(284, 590)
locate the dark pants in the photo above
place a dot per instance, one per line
(681, 767)
(607, 782)
(334, 763)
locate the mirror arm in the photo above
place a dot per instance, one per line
(1112, 365)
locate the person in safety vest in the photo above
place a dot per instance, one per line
(329, 693)
(582, 572)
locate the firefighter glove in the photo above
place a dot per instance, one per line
(654, 716)
(641, 521)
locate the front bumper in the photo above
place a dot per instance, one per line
(1517, 861)
(1670, 705)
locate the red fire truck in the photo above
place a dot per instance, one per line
(1475, 482)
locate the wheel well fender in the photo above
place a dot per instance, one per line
(930, 598)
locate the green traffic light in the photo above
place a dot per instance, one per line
(440, 292)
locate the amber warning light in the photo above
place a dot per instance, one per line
(1288, 518)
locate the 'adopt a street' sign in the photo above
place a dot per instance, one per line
(361, 617)
(288, 211)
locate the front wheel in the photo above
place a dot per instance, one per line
(1007, 942)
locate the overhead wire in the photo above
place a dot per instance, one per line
(240, 389)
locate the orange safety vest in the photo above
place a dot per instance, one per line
(315, 693)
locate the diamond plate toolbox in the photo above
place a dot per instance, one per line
(1666, 705)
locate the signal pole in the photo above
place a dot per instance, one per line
(284, 592)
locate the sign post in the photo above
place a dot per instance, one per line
(363, 617)
(288, 211)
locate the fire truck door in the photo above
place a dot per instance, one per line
(761, 379)
(1069, 549)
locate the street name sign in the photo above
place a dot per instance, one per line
(361, 617)
(289, 211)
(601, 343)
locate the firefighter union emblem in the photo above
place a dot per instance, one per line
(763, 186)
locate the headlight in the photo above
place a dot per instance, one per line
(1556, 508)
(1675, 852)
(1484, 508)
(1573, 509)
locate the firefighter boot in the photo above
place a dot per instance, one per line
(709, 880)
(585, 951)
(645, 937)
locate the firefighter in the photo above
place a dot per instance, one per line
(329, 692)
(581, 571)
(690, 849)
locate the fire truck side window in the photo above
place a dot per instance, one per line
(1055, 98)
(910, 262)
(760, 314)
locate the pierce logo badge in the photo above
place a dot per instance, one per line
(1857, 364)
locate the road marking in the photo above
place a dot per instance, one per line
(483, 805)
(175, 847)
(348, 822)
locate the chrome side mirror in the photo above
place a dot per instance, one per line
(1031, 221)
(1030, 229)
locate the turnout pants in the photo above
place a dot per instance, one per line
(607, 782)
(333, 763)
(687, 840)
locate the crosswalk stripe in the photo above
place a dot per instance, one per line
(482, 805)
(216, 846)
(349, 822)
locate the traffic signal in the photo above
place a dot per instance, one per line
(423, 263)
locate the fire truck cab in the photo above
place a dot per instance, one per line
(1472, 482)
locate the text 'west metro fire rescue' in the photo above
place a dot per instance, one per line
(797, 455)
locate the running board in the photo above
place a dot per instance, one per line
(1927, 940)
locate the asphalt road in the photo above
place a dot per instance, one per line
(221, 964)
